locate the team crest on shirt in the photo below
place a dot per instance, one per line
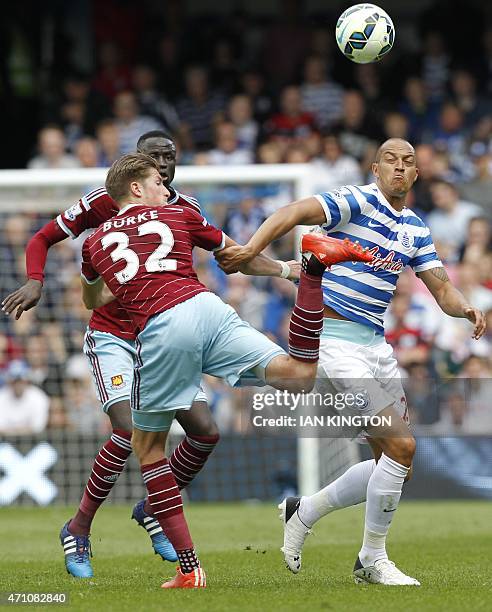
(405, 238)
(117, 381)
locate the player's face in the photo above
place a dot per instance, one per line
(163, 151)
(153, 191)
(396, 170)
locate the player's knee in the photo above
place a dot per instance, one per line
(410, 474)
(120, 415)
(406, 450)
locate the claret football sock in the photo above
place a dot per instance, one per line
(306, 321)
(167, 507)
(107, 467)
(190, 456)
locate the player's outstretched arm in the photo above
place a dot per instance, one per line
(451, 301)
(27, 296)
(96, 294)
(303, 212)
(262, 265)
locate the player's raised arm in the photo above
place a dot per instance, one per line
(27, 296)
(451, 301)
(308, 211)
(262, 265)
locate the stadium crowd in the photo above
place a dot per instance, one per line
(231, 98)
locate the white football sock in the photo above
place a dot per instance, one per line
(347, 490)
(383, 494)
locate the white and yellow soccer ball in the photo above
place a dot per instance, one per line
(365, 33)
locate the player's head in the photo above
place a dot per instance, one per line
(135, 178)
(160, 146)
(395, 167)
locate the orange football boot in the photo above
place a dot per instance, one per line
(192, 580)
(329, 251)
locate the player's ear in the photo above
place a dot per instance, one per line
(135, 189)
(374, 169)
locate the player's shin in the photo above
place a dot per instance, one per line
(167, 507)
(383, 495)
(347, 490)
(306, 322)
(108, 465)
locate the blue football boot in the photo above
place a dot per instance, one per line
(161, 545)
(77, 553)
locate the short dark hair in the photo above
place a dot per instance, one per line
(153, 134)
(126, 169)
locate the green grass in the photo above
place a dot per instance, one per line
(446, 545)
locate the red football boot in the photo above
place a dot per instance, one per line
(192, 580)
(329, 251)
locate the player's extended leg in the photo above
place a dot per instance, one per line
(296, 372)
(167, 505)
(383, 495)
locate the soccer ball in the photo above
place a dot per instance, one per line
(365, 33)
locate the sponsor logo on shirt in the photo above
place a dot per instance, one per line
(385, 263)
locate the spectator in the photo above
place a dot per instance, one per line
(449, 221)
(321, 97)
(297, 154)
(72, 117)
(408, 342)
(395, 125)
(334, 168)
(253, 86)
(269, 153)
(292, 124)
(83, 410)
(151, 102)
(421, 390)
(479, 189)
(108, 138)
(464, 95)
(356, 129)
(435, 66)
(243, 221)
(131, 124)
(420, 112)
(426, 163)
(198, 109)
(227, 151)
(51, 146)
(368, 82)
(478, 241)
(24, 407)
(240, 113)
(87, 152)
(114, 74)
(449, 136)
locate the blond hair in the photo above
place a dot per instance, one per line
(127, 169)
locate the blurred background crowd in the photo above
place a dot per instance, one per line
(244, 86)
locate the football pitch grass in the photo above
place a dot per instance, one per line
(446, 545)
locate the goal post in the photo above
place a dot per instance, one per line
(48, 192)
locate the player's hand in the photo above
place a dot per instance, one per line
(231, 258)
(475, 316)
(23, 298)
(295, 270)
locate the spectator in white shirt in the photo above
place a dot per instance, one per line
(449, 220)
(51, 146)
(131, 125)
(335, 168)
(24, 408)
(227, 151)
